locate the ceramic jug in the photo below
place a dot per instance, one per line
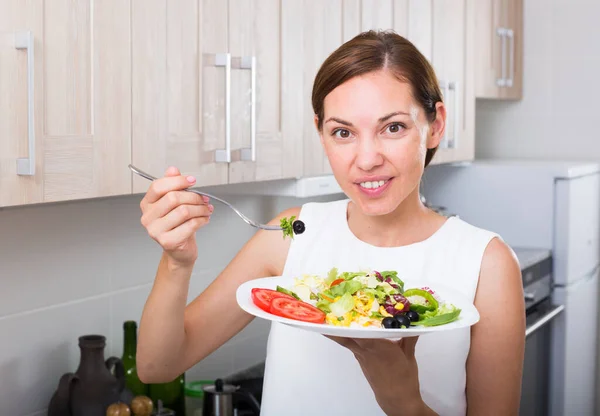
(94, 386)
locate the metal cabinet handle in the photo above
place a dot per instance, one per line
(544, 320)
(249, 62)
(26, 166)
(451, 143)
(511, 56)
(501, 82)
(224, 156)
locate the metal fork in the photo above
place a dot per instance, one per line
(242, 216)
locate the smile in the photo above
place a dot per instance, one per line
(373, 184)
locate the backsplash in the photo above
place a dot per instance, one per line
(84, 267)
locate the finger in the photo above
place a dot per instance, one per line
(162, 186)
(174, 238)
(172, 171)
(345, 342)
(172, 200)
(368, 344)
(180, 215)
(409, 345)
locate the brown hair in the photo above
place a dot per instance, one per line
(372, 51)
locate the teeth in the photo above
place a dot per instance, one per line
(372, 185)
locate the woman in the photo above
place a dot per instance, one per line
(380, 116)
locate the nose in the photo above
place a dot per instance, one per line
(369, 154)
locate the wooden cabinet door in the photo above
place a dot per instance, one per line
(419, 26)
(20, 59)
(179, 94)
(81, 101)
(513, 14)
(86, 72)
(499, 49)
(260, 149)
(452, 61)
(311, 30)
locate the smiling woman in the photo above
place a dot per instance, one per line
(380, 117)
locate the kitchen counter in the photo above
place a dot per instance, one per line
(530, 256)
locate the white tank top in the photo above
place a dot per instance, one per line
(307, 374)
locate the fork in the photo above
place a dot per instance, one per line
(253, 223)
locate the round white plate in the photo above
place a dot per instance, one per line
(468, 315)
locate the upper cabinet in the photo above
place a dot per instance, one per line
(65, 106)
(311, 30)
(207, 80)
(499, 49)
(220, 89)
(452, 59)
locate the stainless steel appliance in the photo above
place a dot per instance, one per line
(536, 270)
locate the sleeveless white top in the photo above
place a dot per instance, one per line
(307, 374)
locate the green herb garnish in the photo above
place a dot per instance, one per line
(286, 225)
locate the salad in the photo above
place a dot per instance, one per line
(291, 226)
(357, 299)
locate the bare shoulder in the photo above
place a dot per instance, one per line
(499, 268)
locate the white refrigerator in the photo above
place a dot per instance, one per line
(551, 205)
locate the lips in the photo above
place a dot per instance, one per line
(373, 187)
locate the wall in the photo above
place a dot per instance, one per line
(84, 267)
(558, 115)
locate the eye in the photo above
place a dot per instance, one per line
(341, 133)
(395, 127)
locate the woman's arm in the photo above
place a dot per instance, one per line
(173, 337)
(495, 363)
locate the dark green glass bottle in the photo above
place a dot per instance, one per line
(132, 381)
(171, 394)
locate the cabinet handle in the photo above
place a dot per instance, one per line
(249, 62)
(501, 82)
(451, 143)
(26, 165)
(224, 156)
(511, 56)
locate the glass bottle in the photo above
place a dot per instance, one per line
(171, 394)
(132, 381)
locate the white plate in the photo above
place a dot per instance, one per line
(468, 315)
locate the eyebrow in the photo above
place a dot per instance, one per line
(381, 120)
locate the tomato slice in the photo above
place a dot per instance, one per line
(336, 282)
(263, 297)
(297, 309)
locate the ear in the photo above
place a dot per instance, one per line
(316, 121)
(438, 126)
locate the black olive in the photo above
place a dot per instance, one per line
(413, 316)
(298, 227)
(402, 320)
(389, 322)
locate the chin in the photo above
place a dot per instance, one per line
(375, 207)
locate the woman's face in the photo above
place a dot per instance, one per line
(376, 137)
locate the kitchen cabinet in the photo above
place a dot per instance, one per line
(452, 59)
(65, 116)
(221, 90)
(499, 49)
(207, 81)
(311, 30)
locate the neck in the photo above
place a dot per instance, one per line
(409, 223)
